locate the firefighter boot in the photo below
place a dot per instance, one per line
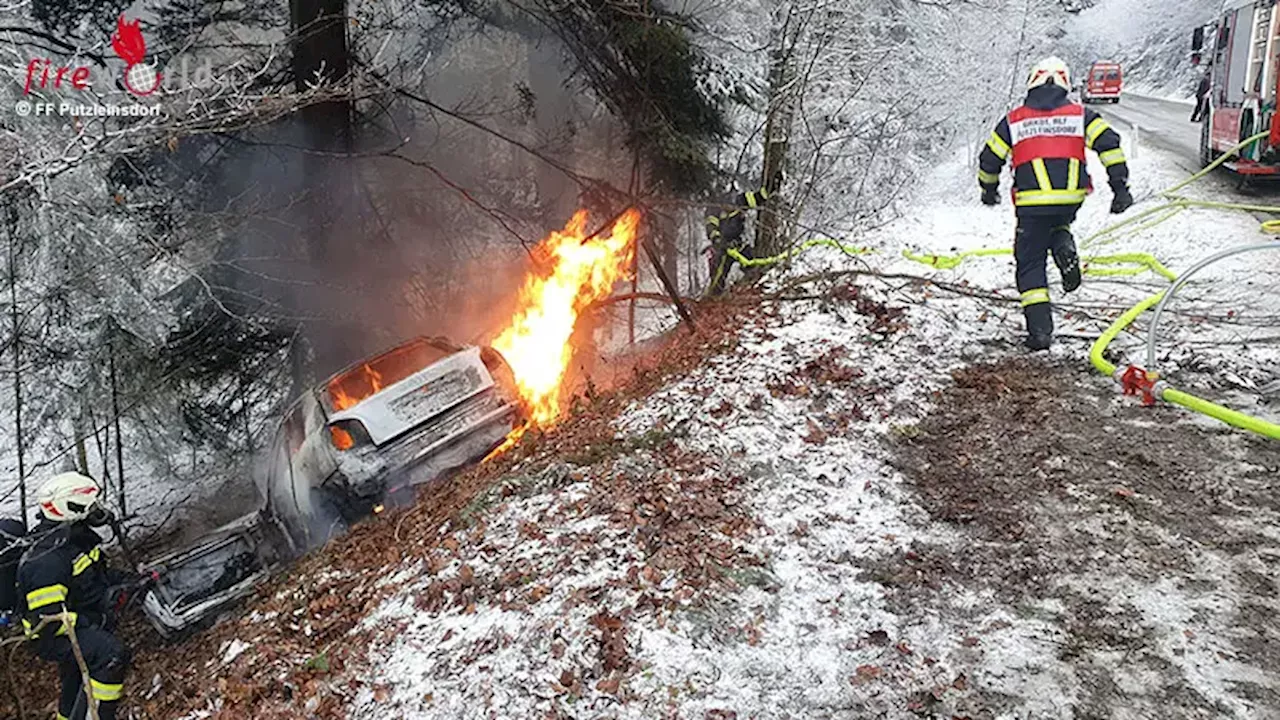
(1065, 257)
(1039, 326)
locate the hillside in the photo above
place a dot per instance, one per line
(845, 497)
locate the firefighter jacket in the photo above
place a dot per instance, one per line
(1046, 139)
(726, 223)
(64, 565)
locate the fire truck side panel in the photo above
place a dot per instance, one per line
(1226, 129)
(1242, 104)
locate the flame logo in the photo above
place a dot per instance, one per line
(130, 46)
(128, 42)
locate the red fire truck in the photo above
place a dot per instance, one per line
(1239, 51)
(1102, 83)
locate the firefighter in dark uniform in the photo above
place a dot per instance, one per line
(1202, 98)
(725, 225)
(12, 533)
(63, 568)
(1047, 137)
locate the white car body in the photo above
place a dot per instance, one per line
(338, 452)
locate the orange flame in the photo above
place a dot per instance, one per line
(351, 388)
(583, 270)
(341, 438)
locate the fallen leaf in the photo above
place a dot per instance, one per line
(865, 673)
(816, 435)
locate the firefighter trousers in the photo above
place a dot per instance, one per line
(721, 263)
(1202, 106)
(107, 660)
(1038, 236)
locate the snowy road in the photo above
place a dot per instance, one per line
(1163, 123)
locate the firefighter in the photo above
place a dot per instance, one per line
(1202, 99)
(725, 225)
(1047, 137)
(63, 568)
(12, 533)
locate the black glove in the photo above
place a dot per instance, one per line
(989, 197)
(1123, 201)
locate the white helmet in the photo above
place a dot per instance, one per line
(68, 497)
(1050, 70)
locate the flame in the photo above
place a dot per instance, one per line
(366, 381)
(128, 42)
(341, 438)
(582, 270)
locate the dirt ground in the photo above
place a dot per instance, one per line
(1142, 542)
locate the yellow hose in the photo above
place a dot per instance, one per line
(947, 262)
(1143, 260)
(1176, 203)
(746, 262)
(1226, 415)
(1100, 346)
(1173, 395)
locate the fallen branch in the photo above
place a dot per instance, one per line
(16, 642)
(982, 294)
(69, 623)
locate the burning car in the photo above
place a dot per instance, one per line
(405, 417)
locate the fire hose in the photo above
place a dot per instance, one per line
(1175, 204)
(747, 262)
(1096, 265)
(1135, 380)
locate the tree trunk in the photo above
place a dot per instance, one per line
(328, 221)
(115, 414)
(16, 328)
(104, 450)
(82, 452)
(777, 134)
